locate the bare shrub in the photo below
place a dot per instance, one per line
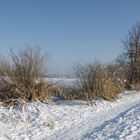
(98, 81)
(22, 76)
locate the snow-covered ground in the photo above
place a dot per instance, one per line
(72, 120)
(61, 81)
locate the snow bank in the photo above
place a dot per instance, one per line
(67, 119)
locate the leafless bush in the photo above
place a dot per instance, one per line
(97, 81)
(21, 77)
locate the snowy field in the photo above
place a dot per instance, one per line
(67, 120)
(61, 81)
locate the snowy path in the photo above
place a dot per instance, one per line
(70, 121)
(114, 124)
(125, 126)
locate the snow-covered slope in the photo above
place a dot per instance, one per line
(70, 120)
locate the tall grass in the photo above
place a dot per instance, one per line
(21, 77)
(98, 81)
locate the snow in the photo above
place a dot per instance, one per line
(73, 120)
(125, 126)
(61, 81)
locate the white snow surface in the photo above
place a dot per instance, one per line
(61, 81)
(72, 120)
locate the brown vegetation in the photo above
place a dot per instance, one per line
(21, 77)
(97, 81)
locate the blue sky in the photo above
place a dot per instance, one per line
(71, 31)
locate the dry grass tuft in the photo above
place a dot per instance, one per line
(97, 81)
(22, 76)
